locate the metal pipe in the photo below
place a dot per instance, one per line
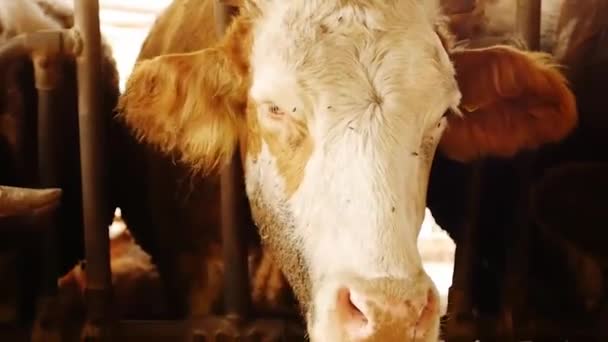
(460, 294)
(514, 292)
(236, 284)
(47, 43)
(92, 128)
(528, 22)
(49, 173)
(49, 135)
(43, 48)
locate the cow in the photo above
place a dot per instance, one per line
(336, 109)
(574, 33)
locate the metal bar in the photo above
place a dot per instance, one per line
(49, 43)
(92, 128)
(236, 284)
(49, 134)
(528, 22)
(47, 79)
(515, 289)
(460, 304)
(528, 25)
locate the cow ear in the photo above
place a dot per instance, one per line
(511, 101)
(190, 103)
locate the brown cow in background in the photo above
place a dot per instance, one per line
(575, 32)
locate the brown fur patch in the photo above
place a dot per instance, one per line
(187, 26)
(292, 148)
(184, 26)
(511, 101)
(191, 103)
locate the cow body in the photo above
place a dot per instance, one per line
(337, 108)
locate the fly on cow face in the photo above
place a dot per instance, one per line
(342, 93)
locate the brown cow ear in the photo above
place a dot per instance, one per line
(190, 103)
(511, 100)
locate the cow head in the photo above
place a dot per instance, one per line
(338, 108)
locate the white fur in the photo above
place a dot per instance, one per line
(360, 205)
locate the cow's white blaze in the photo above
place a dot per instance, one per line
(372, 83)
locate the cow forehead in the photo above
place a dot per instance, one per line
(319, 47)
(292, 26)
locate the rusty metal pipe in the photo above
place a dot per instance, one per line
(92, 128)
(236, 284)
(528, 22)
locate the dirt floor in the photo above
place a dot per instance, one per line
(125, 24)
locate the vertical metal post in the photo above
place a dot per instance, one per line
(46, 71)
(515, 288)
(92, 153)
(460, 306)
(236, 284)
(528, 22)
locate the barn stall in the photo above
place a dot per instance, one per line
(32, 213)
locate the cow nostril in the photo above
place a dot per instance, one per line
(348, 310)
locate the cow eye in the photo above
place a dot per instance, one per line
(275, 111)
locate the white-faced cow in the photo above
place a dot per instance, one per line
(337, 108)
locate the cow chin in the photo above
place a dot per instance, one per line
(352, 309)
